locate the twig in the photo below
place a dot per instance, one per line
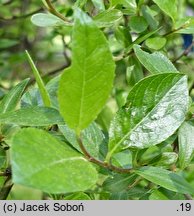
(65, 50)
(185, 53)
(53, 72)
(135, 183)
(101, 163)
(6, 188)
(22, 16)
(52, 10)
(177, 29)
(188, 197)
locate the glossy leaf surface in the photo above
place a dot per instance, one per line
(155, 108)
(32, 116)
(166, 179)
(35, 165)
(155, 63)
(85, 86)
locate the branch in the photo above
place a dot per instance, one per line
(53, 72)
(188, 197)
(185, 53)
(101, 163)
(23, 16)
(52, 10)
(6, 188)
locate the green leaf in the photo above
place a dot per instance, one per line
(141, 39)
(168, 7)
(123, 36)
(155, 108)
(118, 182)
(134, 72)
(2, 157)
(138, 24)
(77, 196)
(108, 18)
(6, 43)
(80, 3)
(158, 195)
(31, 97)
(186, 144)
(185, 25)
(167, 159)
(122, 195)
(126, 3)
(92, 137)
(137, 192)
(99, 4)
(12, 98)
(32, 116)
(155, 62)
(41, 86)
(149, 14)
(85, 86)
(46, 20)
(155, 43)
(166, 179)
(41, 161)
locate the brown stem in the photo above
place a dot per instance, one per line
(6, 188)
(185, 52)
(53, 72)
(101, 163)
(188, 197)
(54, 11)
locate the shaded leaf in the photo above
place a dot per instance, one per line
(149, 14)
(12, 98)
(157, 195)
(108, 18)
(77, 196)
(155, 62)
(34, 164)
(32, 116)
(6, 43)
(167, 159)
(166, 179)
(86, 85)
(186, 144)
(185, 25)
(168, 7)
(138, 24)
(118, 182)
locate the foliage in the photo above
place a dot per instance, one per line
(117, 122)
